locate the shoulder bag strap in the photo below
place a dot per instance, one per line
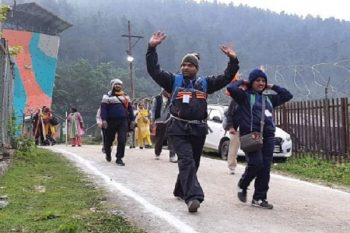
(262, 123)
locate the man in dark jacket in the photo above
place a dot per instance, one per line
(160, 115)
(116, 113)
(187, 126)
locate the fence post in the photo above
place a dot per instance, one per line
(345, 124)
(327, 128)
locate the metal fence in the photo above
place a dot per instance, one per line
(318, 128)
(6, 95)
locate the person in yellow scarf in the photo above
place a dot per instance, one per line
(44, 131)
(143, 127)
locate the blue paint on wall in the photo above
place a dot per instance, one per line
(19, 97)
(44, 67)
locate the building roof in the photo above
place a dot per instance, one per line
(32, 17)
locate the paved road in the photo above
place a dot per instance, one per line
(142, 191)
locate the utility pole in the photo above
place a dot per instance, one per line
(130, 58)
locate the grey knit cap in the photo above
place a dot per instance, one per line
(192, 58)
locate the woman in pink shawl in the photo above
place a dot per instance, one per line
(75, 127)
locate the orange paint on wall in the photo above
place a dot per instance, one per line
(36, 98)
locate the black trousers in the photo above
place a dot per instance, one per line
(258, 168)
(189, 150)
(114, 127)
(161, 134)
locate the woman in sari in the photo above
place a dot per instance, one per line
(75, 127)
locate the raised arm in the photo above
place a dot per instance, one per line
(216, 83)
(283, 95)
(237, 90)
(161, 77)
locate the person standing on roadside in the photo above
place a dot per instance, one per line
(75, 127)
(187, 127)
(116, 115)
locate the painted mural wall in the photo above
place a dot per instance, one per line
(35, 70)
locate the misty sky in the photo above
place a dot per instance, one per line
(324, 8)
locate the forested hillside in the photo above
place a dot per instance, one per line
(299, 53)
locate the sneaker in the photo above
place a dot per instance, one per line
(173, 159)
(193, 205)
(231, 171)
(262, 204)
(242, 195)
(120, 162)
(108, 158)
(157, 157)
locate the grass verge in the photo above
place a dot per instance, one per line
(314, 169)
(45, 193)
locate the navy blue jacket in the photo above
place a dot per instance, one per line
(250, 106)
(113, 108)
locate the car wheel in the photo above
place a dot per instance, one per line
(223, 149)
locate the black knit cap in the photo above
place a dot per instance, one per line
(255, 74)
(192, 58)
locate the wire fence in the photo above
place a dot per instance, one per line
(6, 95)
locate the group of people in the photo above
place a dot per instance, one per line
(251, 112)
(179, 113)
(44, 127)
(116, 117)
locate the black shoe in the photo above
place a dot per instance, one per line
(242, 195)
(262, 204)
(108, 158)
(193, 205)
(141, 147)
(120, 162)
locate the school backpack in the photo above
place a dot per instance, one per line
(189, 98)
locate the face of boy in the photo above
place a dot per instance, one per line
(188, 70)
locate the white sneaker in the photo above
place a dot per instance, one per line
(231, 172)
(173, 159)
(157, 157)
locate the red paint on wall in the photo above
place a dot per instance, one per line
(36, 98)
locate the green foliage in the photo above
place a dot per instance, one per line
(12, 126)
(317, 169)
(4, 9)
(25, 145)
(48, 194)
(15, 50)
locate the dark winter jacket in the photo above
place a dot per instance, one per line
(116, 108)
(250, 104)
(232, 115)
(166, 80)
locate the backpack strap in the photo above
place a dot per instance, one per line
(179, 81)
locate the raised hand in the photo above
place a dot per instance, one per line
(156, 39)
(228, 50)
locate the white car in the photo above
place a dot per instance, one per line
(217, 138)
